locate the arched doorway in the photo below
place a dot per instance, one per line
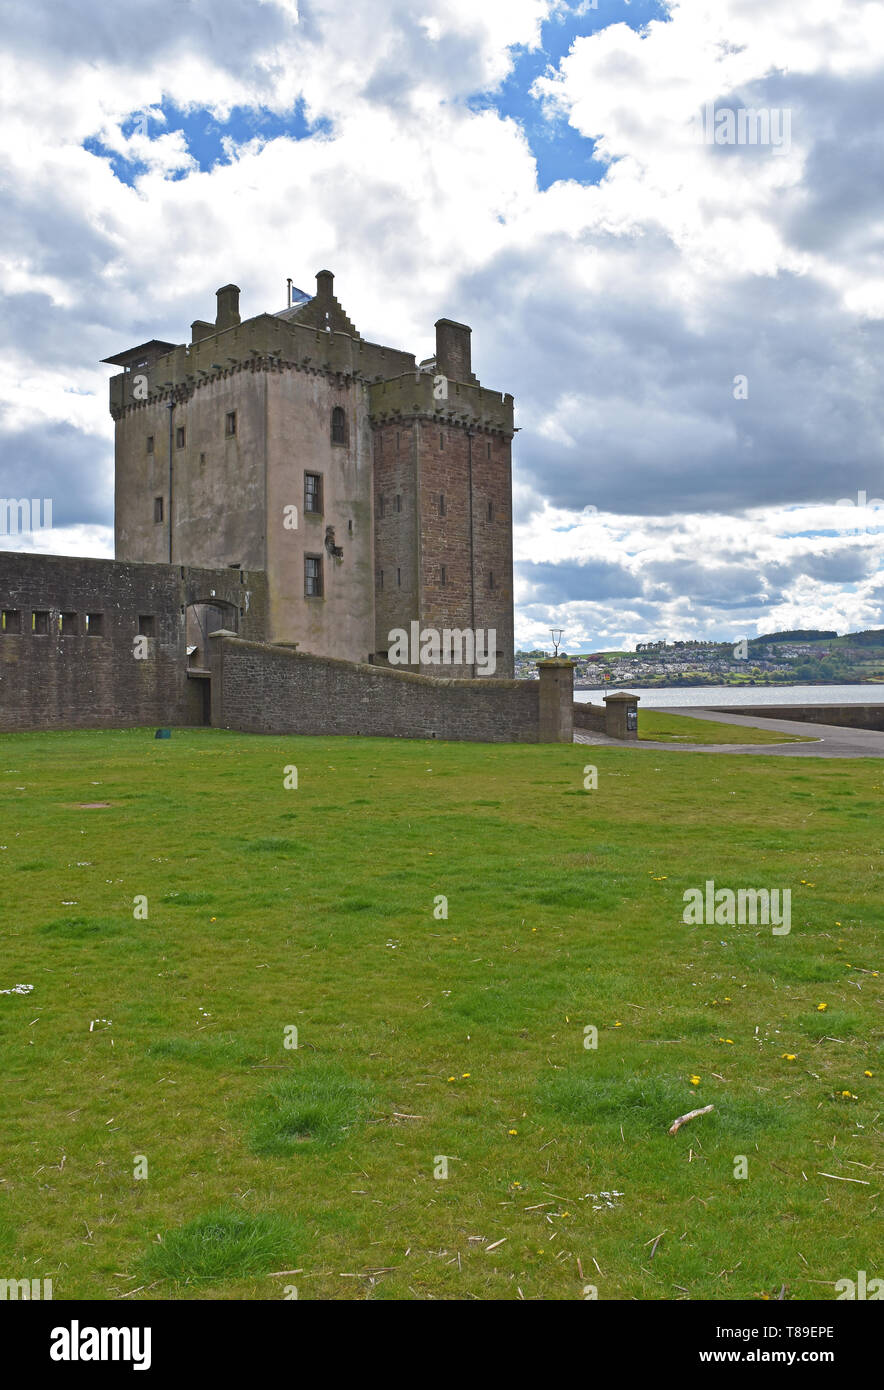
(202, 619)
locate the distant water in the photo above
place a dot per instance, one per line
(746, 695)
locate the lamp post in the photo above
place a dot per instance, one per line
(557, 634)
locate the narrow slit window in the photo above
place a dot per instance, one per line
(158, 509)
(180, 437)
(230, 423)
(441, 503)
(338, 426)
(150, 443)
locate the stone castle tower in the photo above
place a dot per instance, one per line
(373, 491)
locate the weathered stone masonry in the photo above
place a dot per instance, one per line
(397, 476)
(276, 690)
(67, 639)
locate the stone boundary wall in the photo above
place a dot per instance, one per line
(593, 718)
(264, 689)
(60, 675)
(845, 716)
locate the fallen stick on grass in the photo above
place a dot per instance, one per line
(691, 1115)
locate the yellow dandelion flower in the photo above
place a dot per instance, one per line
(821, 1008)
(695, 1080)
(789, 1056)
(867, 1073)
(452, 1078)
(464, 1075)
(512, 1131)
(729, 1040)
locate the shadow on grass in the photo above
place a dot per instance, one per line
(206, 1051)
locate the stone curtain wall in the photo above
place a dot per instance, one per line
(64, 679)
(263, 689)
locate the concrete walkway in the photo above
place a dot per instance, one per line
(830, 740)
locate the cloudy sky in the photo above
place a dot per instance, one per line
(692, 324)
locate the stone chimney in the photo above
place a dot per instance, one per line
(453, 350)
(228, 307)
(325, 286)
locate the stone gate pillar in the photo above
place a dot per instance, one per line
(556, 701)
(621, 715)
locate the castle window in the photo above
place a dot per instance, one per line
(313, 576)
(397, 441)
(94, 624)
(398, 502)
(490, 511)
(313, 492)
(147, 625)
(68, 624)
(230, 423)
(441, 440)
(350, 527)
(158, 509)
(40, 623)
(441, 503)
(150, 443)
(10, 621)
(179, 437)
(491, 579)
(444, 576)
(338, 426)
(399, 577)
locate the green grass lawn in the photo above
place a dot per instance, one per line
(661, 727)
(427, 1042)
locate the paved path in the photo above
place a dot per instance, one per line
(830, 740)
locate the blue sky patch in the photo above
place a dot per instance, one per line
(204, 134)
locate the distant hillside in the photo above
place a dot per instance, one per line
(809, 634)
